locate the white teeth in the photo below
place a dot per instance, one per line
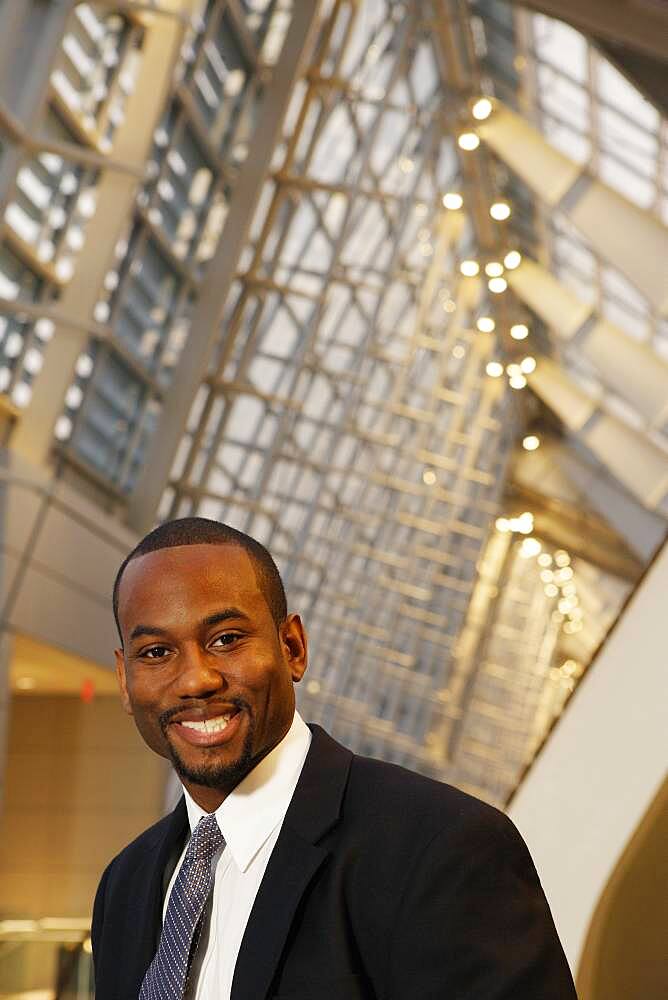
(208, 725)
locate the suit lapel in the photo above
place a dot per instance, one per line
(292, 865)
(314, 809)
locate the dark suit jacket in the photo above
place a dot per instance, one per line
(383, 885)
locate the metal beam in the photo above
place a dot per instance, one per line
(632, 239)
(70, 151)
(30, 37)
(586, 536)
(146, 10)
(570, 474)
(632, 458)
(628, 367)
(33, 436)
(204, 332)
(647, 73)
(633, 24)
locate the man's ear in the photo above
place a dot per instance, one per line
(295, 646)
(122, 680)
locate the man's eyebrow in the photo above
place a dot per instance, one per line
(214, 619)
(223, 616)
(140, 630)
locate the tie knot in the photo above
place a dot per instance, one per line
(206, 839)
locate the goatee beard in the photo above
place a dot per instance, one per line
(216, 775)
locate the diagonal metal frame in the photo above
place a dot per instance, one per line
(397, 422)
(144, 501)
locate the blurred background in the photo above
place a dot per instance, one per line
(385, 285)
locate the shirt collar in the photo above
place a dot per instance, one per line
(258, 803)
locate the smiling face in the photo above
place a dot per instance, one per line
(205, 670)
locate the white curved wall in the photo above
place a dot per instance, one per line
(603, 764)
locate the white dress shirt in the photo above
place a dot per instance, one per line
(250, 820)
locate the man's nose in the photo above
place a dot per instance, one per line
(199, 673)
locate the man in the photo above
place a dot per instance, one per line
(291, 868)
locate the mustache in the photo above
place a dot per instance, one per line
(166, 717)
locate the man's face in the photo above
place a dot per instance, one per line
(204, 669)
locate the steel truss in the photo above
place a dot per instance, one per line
(270, 264)
(346, 419)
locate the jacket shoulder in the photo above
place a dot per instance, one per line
(406, 798)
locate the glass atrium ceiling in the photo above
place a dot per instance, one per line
(587, 108)
(297, 247)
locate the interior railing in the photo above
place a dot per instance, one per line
(47, 959)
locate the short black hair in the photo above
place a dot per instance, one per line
(204, 531)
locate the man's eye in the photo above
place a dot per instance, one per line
(226, 639)
(155, 652)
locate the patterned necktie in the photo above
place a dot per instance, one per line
(167, 974)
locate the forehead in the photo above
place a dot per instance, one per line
(189, 578)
